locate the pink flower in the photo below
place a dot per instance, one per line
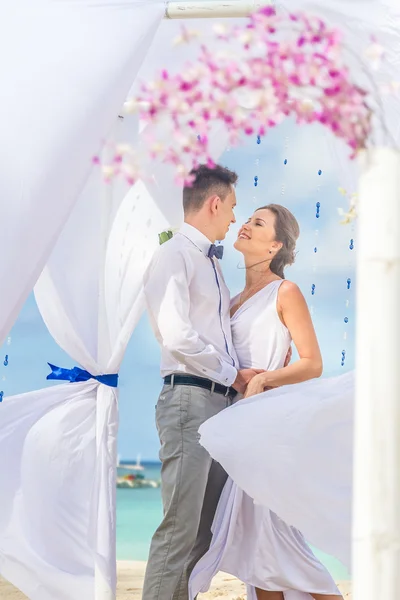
(300, 74)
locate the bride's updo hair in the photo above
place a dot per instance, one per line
(287, 232)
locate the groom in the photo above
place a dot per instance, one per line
(188, 305)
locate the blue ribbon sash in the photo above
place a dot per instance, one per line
(76, 374)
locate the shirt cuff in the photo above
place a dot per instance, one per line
(228, 374)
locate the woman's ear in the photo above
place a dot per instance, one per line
(276, 246)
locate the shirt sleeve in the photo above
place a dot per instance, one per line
(166, 289)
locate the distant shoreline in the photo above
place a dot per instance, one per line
(132, 461)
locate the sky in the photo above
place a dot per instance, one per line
(307, 151)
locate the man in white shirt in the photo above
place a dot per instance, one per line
(188, 305)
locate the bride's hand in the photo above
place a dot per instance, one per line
(256, 386)
(288, 357)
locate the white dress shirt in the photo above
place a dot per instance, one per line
(188, 305)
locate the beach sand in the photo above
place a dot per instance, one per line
(130, 580)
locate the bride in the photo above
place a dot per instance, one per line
(279, 447)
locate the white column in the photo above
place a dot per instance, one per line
(376, 505)
(214, 9)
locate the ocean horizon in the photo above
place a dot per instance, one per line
(139, 512)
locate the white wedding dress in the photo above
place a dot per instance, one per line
(288, 453)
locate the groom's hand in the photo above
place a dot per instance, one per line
(243, 377)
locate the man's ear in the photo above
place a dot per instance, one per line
(214, 203)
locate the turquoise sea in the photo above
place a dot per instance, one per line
(139, 511)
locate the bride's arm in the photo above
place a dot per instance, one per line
(293, 312)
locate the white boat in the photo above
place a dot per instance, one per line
(134, 482)
(131, 467)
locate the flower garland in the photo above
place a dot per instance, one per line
(287, 65)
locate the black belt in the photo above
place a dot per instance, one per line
(201, 383)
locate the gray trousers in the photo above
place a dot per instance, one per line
(191, 484)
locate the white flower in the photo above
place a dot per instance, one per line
(351, 213)
(124, 149)
(131, 106)
(186, 36)
(374, 53)
(129, 170)
(220, 29)
(182, 170)
(108, 171)
(246, 37)
(158, 148)
(391, 88)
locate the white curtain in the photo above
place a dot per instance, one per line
(60, 483)
(70, 66)
(66, 68)
(59, 522)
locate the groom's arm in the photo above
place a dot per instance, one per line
(166, 288)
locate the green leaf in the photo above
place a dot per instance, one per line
(164, 236)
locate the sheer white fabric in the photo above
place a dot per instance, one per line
(68, 442)
(58, 488)
(290, 449)
(90, 297)
(64, 81)
(256, 546)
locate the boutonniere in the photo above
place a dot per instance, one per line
(166, 235)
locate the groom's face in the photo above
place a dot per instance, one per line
(225, 215)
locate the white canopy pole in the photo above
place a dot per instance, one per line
(213, 9)
(376, 504)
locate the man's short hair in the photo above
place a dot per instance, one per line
(207, 181)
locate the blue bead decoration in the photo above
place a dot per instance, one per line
(255, 181)
(346, 319)
(318, 206)
(258, 139)
(1, 396)
(320, 172)
(313, 289)
(348, 283)
(315, 249)
(351, 244)
(6, 361)
(285, 161)
(343, 357)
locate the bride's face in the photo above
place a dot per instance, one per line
(257, 236)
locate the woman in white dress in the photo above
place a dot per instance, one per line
(270, 443)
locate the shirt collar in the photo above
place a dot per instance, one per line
(196, 237)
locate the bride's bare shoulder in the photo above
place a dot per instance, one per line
(289, 292)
